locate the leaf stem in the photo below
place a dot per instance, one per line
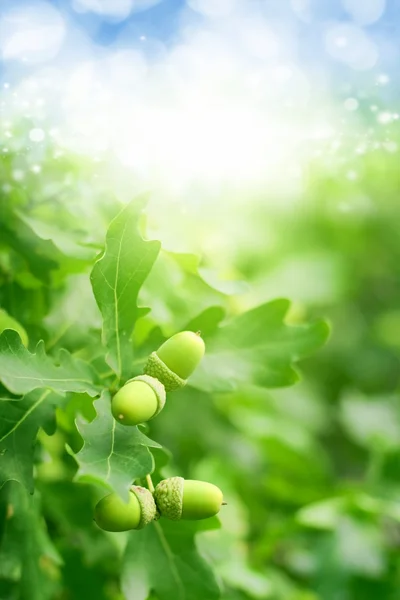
(106, 374)
(149, 482)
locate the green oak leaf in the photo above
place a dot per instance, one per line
(71, 507)
(20, 421)
(207, 321)
(116, 280)
(176, 291)
(68, 242)
(39, 256)
(21, 371)
(113, 454)
(163, 558)
(26, 548)
(8, 322)
(257, 347)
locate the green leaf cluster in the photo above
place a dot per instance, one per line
(94, 297)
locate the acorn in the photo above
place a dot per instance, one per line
(176, 359)
(139, 400)
(177, 498)
(113, 514)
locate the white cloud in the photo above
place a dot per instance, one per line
(31, 34)
(365, 12)
(215, 8)
(351, 45)
(115, 9)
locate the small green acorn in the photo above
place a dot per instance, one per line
(177, 498)
(139, 400)
(176, 359)
(113, 514)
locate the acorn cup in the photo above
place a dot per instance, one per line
(113, 514)
(177, 498)
(176, 359)
(138, 401)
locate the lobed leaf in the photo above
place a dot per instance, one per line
(113, 454)
(116, 280)
(163, 558)
(257, 347)
(20, 421)
(21, 371)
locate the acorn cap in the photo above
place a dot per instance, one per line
(169, 497)
(157, 387)
(148, 509)
(156, 368)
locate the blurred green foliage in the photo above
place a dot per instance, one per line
(310, 471)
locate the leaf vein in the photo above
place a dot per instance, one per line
(26, 415)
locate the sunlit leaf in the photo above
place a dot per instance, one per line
(68, 242)
(257, 346)
(40, 256)
(176, 292)
(117, 278)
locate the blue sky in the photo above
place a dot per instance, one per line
(190, 93)
(306, 20)
(161, 21)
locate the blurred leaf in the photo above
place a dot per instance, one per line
(70, 506)
(74, 315)
(207, 322)
(82, 580)
(21, 371)
(360, 547)
(257, 347)
(39, 255)
(68, 242)
(372, 421)
(113, 455)
(322, 515)
(240, 576)
(20, 421)
(116, 279)
(163, 558)
(26, 543)
(176, 292)
(228, 287)
(8, 322)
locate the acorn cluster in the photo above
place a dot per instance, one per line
(139, 400)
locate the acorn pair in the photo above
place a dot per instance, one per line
(174, 498)
(143, 397)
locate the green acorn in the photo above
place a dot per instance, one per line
(177, 498)
(113, 514)
(176, 359)
(139, 400)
